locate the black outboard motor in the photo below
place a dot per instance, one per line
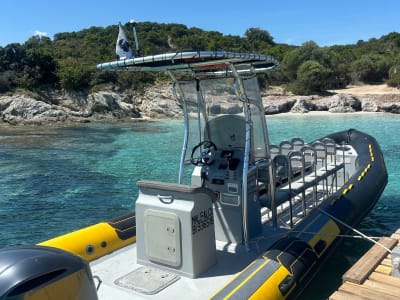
(44, 273)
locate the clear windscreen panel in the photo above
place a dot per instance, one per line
(260, 139)
(210, 103)
(225, 114)
(215, 111)
(195, 117)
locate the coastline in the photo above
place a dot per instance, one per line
(324, 113)
(32, 125)
(157, 102)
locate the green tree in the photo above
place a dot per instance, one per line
(341, 58)
(69, 60)
(394, 76)
(73, 75)
(6, 81)
(39, 64)
(370, 68)
(134, 81)
(258, 38)
(312, 77)
(394, 73)
(293, 59)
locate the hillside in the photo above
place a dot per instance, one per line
(68, 61)
(56, 80)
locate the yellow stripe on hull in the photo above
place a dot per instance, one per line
(247, 279)
(257, 274)
(270, 289)
(90, 242)
(328, 233)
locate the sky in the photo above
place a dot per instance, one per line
(326, 22)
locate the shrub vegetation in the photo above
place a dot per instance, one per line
(68, 61)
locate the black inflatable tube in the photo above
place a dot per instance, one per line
(367, 183)
(348, 206)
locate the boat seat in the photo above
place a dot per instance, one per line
(322, 159)
(297, 143)
(331, 153)
(299, 186)
(287, 188)
(281, 196)
(298, 169)
(281, 170)
(285, 147)
(325, 150)
(274, 150)
(333, 166)
(310, 158)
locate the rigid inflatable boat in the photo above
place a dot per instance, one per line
(246, 219)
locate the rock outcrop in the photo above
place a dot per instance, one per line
(339, 103)
(19, 109)
(303, 105)
(343, 103)
(158, 102)
(80, 107)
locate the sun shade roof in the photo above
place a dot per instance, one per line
(194, 61)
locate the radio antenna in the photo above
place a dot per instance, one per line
(133, 22)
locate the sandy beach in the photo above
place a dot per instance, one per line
(378, 89)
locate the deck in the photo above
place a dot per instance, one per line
(370, 277)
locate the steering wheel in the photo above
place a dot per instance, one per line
(207, 154)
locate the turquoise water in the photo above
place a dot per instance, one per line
(59, 178)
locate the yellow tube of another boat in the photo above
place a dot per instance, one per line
(90, 242)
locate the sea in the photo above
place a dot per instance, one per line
(58, 178)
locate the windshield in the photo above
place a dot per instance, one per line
(217, 110)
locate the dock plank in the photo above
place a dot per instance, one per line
(367, 263)
(384, 270)
(365, 292)
(395, 236)
(386, 262)
(379, 277)
(383, 288)
(343, 295)
(370, 277)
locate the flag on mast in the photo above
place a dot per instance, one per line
(123, 49)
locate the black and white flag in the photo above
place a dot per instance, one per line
(123, 49)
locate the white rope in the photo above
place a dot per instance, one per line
(355, 230)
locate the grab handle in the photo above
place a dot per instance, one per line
(166, 199)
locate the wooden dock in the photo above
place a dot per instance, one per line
(370, 277)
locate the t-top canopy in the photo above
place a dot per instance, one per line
(194, 61)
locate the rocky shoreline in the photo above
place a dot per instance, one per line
(338, 103)
(157, 102)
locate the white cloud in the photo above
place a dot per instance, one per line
(39, 33)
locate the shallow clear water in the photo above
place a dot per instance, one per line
(56, 179)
